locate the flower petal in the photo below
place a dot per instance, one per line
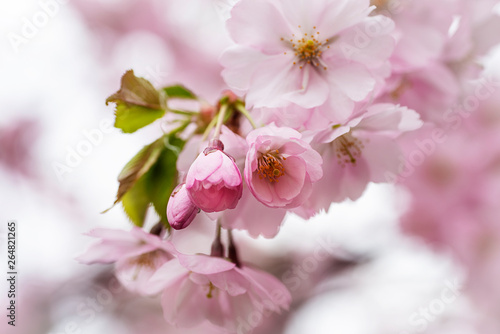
(259, 24)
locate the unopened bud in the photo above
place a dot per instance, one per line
(180, 209)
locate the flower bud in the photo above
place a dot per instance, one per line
(214, 181)
(180, 209)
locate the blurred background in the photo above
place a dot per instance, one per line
(422, 256)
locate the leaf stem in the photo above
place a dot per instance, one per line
(209, 128)
(245, 113)
(220, 120)
(181, 128)
(217, 247)
(181, 112)
(232, 251)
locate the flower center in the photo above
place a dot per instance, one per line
(378, 3)
(348, 149)
(308, 49)
(403, 86)
(270, 166)
(147, 259)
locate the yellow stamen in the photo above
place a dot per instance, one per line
(270, 166)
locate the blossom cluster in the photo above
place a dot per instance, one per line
(321, 97)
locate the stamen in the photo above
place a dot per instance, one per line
(270, 166)
(378, 3)
(210, 289)
(146, 259)
(308, 49)
(348, 149)
(401, 89)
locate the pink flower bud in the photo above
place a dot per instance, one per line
(180, 209)
(214, 181)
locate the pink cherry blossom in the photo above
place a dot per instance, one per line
(280, 167)
(136, 254)
(421, 30)
(214, 181)
(430, 91)
(360, 151)
(303, 52)
(180, 209)
(198, 288)
(454, 199)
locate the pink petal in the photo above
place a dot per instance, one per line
(382, 155)
(292, 147)
(259, 24)
(351, 180)
(268, 287)
(290, 184)
(353, 80)
(254, 217)
(230, 281)
(109, 251)
(314, 90)
(375, 49)
(275, 77)
(303, 196)
(341, 14)
(260, 188)
(420, 45)
(184, 305)
(313, 164)
(206, 165)
(240, 65)
(165, 276)
(300, 12)
(203, 264)
(231, 179)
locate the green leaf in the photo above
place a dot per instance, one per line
(136, 91)
(163, 175)
(137, 103)
(136, 202)
(149, 178)
(130, 118)
(138, 166)
(178, 92)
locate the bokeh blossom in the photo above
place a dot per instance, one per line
(199, 288)
(136, 254)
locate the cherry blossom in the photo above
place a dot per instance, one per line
(199, 288)
(280, 168)
(362, 150)
(136, 254)
(302, 53)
